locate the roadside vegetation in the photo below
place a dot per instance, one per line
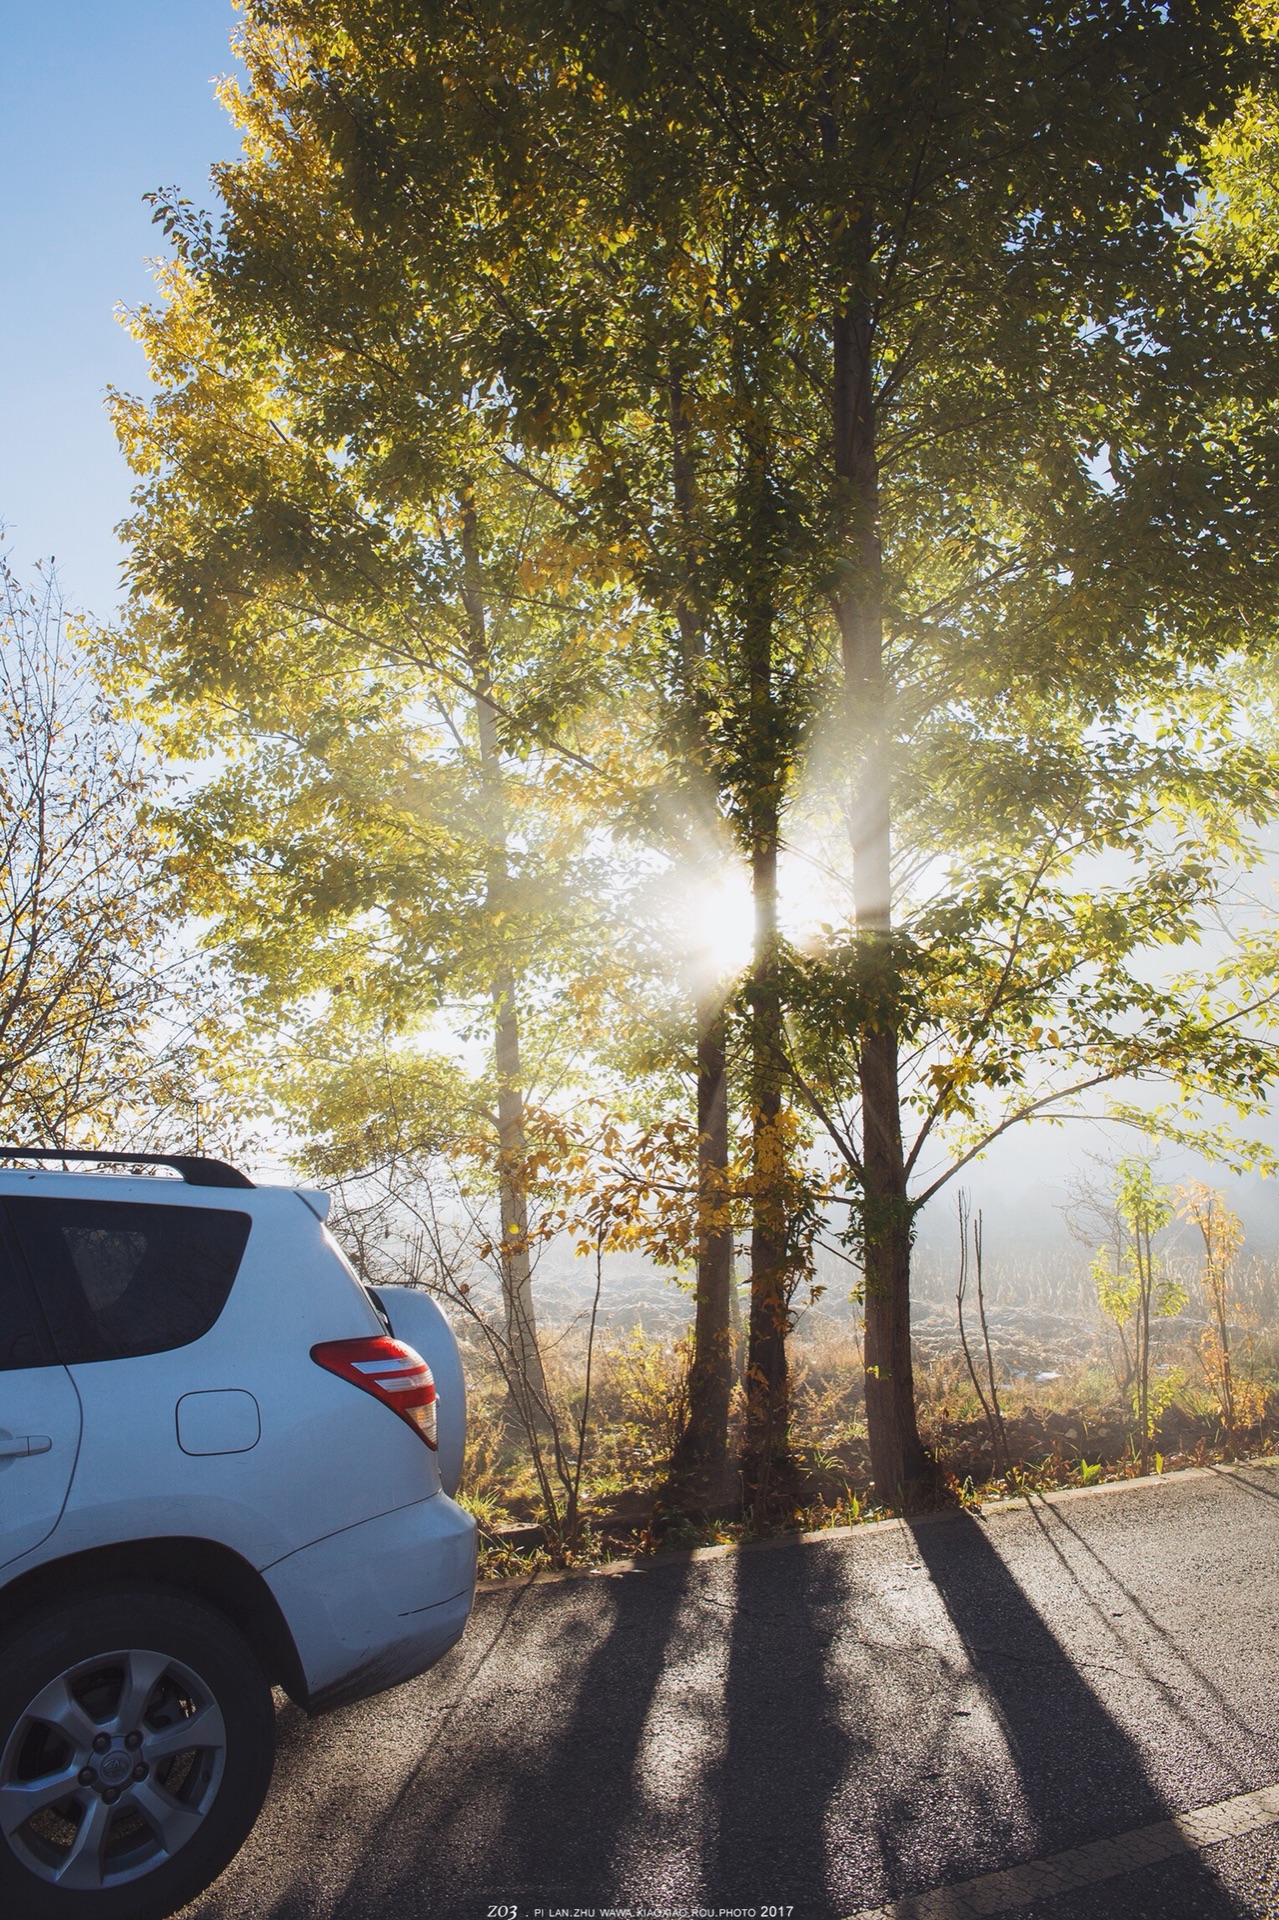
(1157, 1350)
(105, 1015)
(1073, 1432)
(1065, 1409)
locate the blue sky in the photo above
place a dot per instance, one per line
(101, 101)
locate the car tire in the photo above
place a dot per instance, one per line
(150, 1711)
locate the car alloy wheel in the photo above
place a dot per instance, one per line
(136, 1737)
(111, 1769)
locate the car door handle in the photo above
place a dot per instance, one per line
(23, 1444)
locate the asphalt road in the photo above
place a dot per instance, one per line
(817, 1727)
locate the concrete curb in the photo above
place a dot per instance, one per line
(651, 1562)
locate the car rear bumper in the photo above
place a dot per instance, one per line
(379, 1602)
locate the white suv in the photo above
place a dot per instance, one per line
(224, 1464)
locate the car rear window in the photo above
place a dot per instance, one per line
(117, 1278)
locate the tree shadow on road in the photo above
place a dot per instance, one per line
(1186, 1685)
(1081, 1775)
(797, 1732)
(1238, 1474)
(786, 1748)
(533, 1813)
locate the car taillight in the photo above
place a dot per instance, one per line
(392, 1372)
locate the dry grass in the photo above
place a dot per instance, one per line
(1072, 1430)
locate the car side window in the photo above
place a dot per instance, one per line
(21, 1344)
(118, 1278)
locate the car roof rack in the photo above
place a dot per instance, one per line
(196, 1169)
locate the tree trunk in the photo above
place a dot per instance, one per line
(700, 1465)
(767, 1382)
(737, 1330)
(528, 1382)
(898, 1460)
(517, 1276)
(1146, 1287)
(766, 1456)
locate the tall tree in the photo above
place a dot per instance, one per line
(971, 464)
(1025, 457)
(368, 643)
(277, 545)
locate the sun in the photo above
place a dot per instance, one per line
(721, 924)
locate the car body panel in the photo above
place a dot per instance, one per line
(379, 1602)
(39, 1405)
(328, 1456)
(218, 1420)
(282, 1459)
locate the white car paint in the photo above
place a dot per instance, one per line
(39, 1439)
(241, 1440)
